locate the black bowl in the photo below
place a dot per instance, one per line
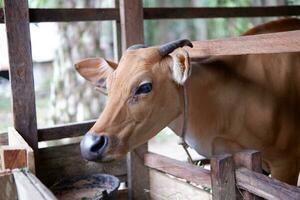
(89, 187)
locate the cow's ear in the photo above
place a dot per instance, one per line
(181, 67)
(96, 70)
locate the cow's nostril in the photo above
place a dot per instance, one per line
(93, 146)
(99, 144)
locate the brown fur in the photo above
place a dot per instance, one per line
(235, 103)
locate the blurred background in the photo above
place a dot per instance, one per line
(62, 96)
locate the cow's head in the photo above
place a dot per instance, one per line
(143, 97)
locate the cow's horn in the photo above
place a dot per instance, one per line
(171, 46)
(136, 46)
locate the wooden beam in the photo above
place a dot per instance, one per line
(220, 12)
(65, 130)
(264, 186)
(92, 14)
(8, 188)
(282, 42)
(178, 169)
(250, 159)
(15, 140)
(59, 162)
(12, 157)
(222, 177)
(21, 71)
(132, 26)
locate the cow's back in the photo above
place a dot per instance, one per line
(249, 101)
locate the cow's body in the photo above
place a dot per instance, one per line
(235, 103)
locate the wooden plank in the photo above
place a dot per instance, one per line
(178, 169)
(132, 27)
(3, 138)
(70, 14)
(222, 177)
(21, 72)
(163, 186)
(30, 188)
(16, 140)
(64, 131)
(65, 161)
(122, 194)
(117, 36)
(220, 12)
(132, 32)
(8, 188)
(253, 44)
(12, 157)
(64, 15)
(264, 186)
(250, 159)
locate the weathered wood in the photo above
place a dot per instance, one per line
(178, 169)
(3, 138)
(255, 44)
(117, 36)
(12, 157)
(30, 188)
(250, 159)
(21, 72)
(15, 140)
(8, 188)
(64, 15)
(220, 12)
(122, 194)
(131, 18)
(64, 131)
(264, 186)
(163, 187)
(64, 161)
(222, 177)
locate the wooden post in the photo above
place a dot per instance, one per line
(131, 18)
(117, 36)
(222, 177)
(21, 71)
(12, 157)
(250, 159)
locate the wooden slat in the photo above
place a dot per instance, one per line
(64, 131)
(67, 15)
(3, 138)
(21, 71)
(220, 12)
(12, 157)
(59, 162)
(264, 186)
(15, 140)
(250, 159)
(8, 188)
(178, 169)
(70, 14)
(255, 44)
(30, 188)
(222, 177)
(165, 187)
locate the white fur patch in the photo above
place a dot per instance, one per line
(180, 73)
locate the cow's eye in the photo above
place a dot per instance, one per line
(144, 89)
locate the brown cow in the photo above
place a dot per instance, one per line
(235, 102)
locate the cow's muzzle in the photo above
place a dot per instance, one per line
(93, 146)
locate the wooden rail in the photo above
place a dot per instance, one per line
(178, 169)
(220, 12)
(222, 176)
(253, 44)
(64, 131)
(97, 14)
(264, 186)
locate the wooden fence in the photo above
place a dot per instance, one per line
(128, 17)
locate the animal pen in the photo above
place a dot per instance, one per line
(147, 174)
